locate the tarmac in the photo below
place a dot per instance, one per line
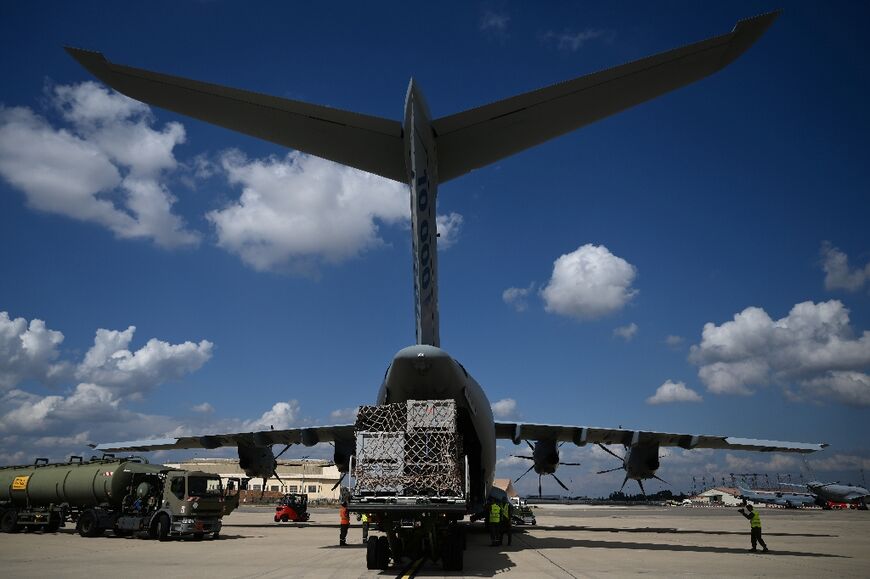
(569, 541)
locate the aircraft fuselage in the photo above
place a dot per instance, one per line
(425, 372)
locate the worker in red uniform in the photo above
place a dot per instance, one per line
(344, 520)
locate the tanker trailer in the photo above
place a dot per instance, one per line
(122, 495)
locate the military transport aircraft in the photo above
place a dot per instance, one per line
(836, 493)
(424, 152)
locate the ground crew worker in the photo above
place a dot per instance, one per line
(344, 520)
(365, 526)
(506, 520)
(754, 527)
(494, 522)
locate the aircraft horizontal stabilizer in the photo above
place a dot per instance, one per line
(305, 436)
(369, 143)
(480, 136)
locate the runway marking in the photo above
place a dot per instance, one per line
(411, 570)
(527, 544)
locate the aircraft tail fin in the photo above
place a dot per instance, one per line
(365, 142)
(481, 136)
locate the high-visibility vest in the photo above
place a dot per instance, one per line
(365, 518)
(505, 513)
(494, 513)
(343, 516)
(755, 521)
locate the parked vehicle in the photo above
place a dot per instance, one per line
(292, 508)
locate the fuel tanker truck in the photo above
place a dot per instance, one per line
(126, 496)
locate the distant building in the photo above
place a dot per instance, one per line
(721, 496)
(312, 477)
(507, 486)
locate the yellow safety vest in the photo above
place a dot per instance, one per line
(365, 518)
(494, 513)
(755, 521)
(505, 513)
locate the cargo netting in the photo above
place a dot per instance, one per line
(409, 449)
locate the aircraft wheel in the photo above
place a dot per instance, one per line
(372, 554)
(9, 521)
(383, 558)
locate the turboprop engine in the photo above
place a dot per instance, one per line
(640, 462)
(259, 462)
(545, 461)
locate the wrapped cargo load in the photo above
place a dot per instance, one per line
(409, 449)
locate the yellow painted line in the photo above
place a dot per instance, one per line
(412, 570)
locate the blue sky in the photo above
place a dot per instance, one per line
(268, 287)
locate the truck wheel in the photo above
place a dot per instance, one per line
(452, 554)
(163, 527)
(198, 536)
(372, 554)
(216, 535)
(9, 521)
(89, 524)
(383, 552)
(54, 522)
(284, 519)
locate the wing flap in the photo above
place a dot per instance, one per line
(591, 435)
(369, 143)
(480, 136)
(307, 436)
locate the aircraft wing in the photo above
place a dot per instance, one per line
(477, 137)
(581, 435)
(306, 436)
(369, 143)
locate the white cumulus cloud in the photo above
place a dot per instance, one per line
(573, 40)
(673, 392)
(674, 341)
(589, 283)
(344, 415)
(204, 408)
(281, 416)
(495, 21)
(28, 351)
(838, 273)
(449, 227)
(517, 297)
(812, 352)
(505, 409)
(627, 332)
(110, 363)
(105, 167)
(297, 211)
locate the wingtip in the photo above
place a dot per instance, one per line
(758, 24)
(91, 60)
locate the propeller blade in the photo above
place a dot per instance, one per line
(560, 482)
(263, 492)
(570, 463)
(611, 470)
(625, 480)
(277, 456)
(608, 451)
(521, 456)
(540, 494)
(661, 479)
(640, 484)
(530, 446)
(275, 472)
(525, 473)
(335, 486)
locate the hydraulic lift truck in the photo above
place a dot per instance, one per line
(411, 479)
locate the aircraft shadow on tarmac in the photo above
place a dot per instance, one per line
(669, 530)
(566, 543)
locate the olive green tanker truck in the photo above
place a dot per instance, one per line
(126, 496)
